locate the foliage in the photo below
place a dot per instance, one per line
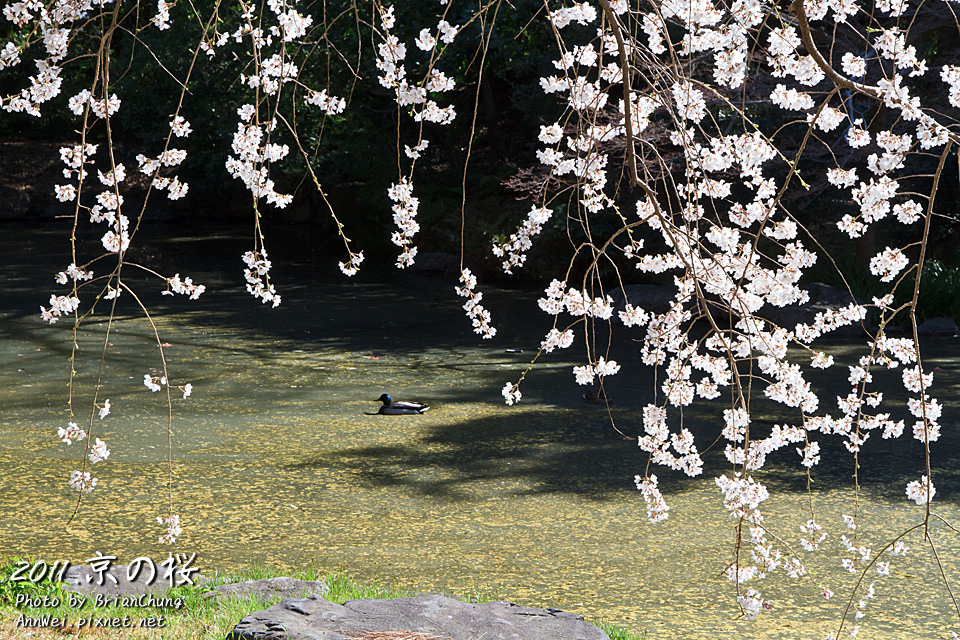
(10, 590)
(939, 290)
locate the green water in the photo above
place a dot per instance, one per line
(276, 461)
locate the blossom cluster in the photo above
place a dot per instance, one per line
(257, 275)
(331, 105)
(59, 306)
(82, 481)
(405, 217)
(255, 152)
(921, 491)
(175, 188)
(391, 59)
(511, 393)
(656, 507)
(575, 302)
(557, 339)
(658, 440)
(96, 452)
(478, 315)
(172, 522)
(184, 287)
(521, 240)
(585, 373)
(154, 383)
(351, 267)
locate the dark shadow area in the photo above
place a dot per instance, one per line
(380, 308)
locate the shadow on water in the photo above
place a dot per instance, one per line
(578, 452)
(590, 462)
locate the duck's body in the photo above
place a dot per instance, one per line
(399, 408)
(597, 397)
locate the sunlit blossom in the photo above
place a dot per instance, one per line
(172, 523)
(70, 433)
(921, 491)
(98, 452)
(82, 481)
(151, 383)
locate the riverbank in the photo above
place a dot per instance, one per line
(191, 615)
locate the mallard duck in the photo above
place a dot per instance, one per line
(597, 397)
(399, 408)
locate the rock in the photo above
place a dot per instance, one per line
(649, 297)
(823, 297)
(270, 588)
(83, 580)
(14, 203)
(657, 299)
(435, 262)
(937, 327)
(433, 617)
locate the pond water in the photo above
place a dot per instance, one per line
(277, 461)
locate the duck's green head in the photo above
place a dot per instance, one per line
(385, 399)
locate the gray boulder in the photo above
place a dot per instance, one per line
(270, 588)
(435, 263)
(431, 617)
(823, 298)
(649, 297)
(14, 203)
(657, 299)
(937, 327)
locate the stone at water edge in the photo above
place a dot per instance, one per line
(937, 327)
(649, 297)
(823, 298)
(314, 618)
(434, 262)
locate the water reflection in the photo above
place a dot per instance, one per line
(276, 460)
